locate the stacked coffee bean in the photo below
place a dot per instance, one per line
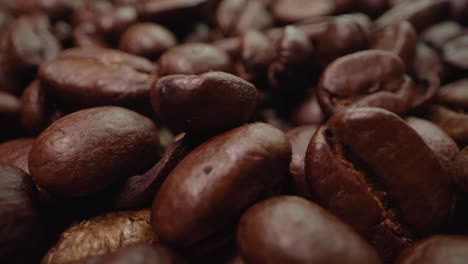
(234, 131)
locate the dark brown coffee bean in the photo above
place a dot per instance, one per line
(438, 34)
(20, 228)
(37, 109)
(291, 68)
(368, 162)
(256, 53)
(300, 138)
(451, 115)
(367, 78)
(240, 167)
(147, 40)
(15, 152)
(288, 229)
(170, 12)
(235, 17)
(193, 58)
(443, 146)
(28, 41)
(139, 190)
(459, 170)
(90, 150)
(427, 72)
(334, 37)
(9, 115)
(441, 249)
(287, 11)
(206, 103)
(399, 38)
(115, 21)
(142, 254)
(420, 13)
(455, 53)
(82, 78)
(101, 235)
(308, 112)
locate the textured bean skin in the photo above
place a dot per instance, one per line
(288, 229)
(217, 181)
(20, 228)
(90, 150)
(367, 78)
(203, 103)
(352, 168)
(441, 249)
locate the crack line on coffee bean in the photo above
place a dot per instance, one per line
(374, 184)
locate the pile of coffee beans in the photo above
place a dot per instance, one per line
(234, 131)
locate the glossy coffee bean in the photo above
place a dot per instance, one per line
(204, 103)
(443, 146)
(300, 138)
(367, 78)
(400, 38)
(235, 17)
(368, 162)
(288, 229)
(82, 78)
(90, 150)
(193, 58)
(20, 227)
(438, 34)
(15, 152)
(459, 170)
(420, 13)
(217, 181)
(148, 40)
(437, 250)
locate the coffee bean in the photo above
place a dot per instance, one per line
(288, 229)
(438, 34)
(90, 150)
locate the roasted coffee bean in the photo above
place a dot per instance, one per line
(193, 58)
(217, 181)
(90, 150)
(101, 235)
(442, 249)
(142, 254)
(15, 152)
(287, 11)
(308, 112)
(256, 53)
(206, 103)
(451, 112)
(28, 41)
(235, 17)
(455, 53)
(147, 40)
(367, 78)
(272, 230)
(37, 109)
(400, 38)
(334, 37)
(438, 34)
(459, 170)
(115, 21)
(368, 162)
(86, 36)
(443, 146)
(300, 138)
(420, 13)
(139, 190)
(82, 78)
(20, 227)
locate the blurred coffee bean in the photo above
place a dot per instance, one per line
(15, 152)
(438, 34)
